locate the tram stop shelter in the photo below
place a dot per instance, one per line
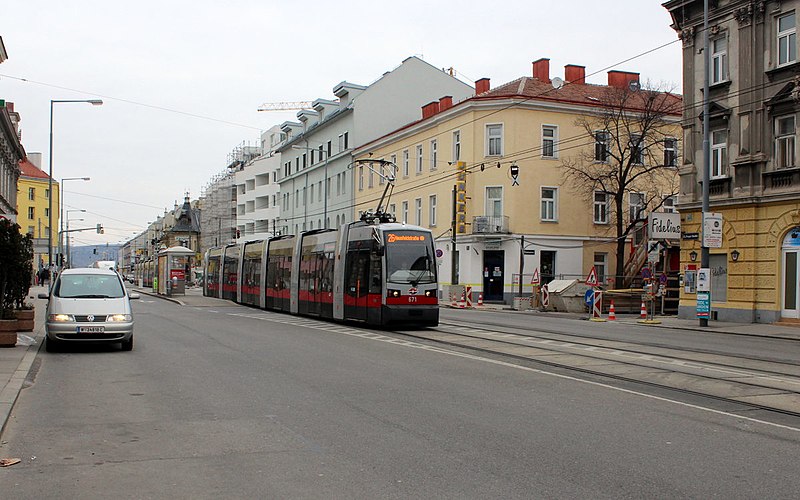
(172, 270)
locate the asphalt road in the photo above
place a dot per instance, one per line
(238, 403)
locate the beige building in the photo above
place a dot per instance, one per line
(754, 181)
(33, 205)
(492, 167)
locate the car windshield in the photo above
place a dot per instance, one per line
(88, 286)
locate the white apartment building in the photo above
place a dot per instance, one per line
(257, 190)
(316, 175)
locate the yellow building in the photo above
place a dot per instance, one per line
(33, 194)
(496, 160)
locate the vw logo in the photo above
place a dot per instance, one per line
(90, 317)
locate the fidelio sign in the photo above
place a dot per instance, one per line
(665, 226)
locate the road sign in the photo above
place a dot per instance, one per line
(712, 230)
(536, 280)
(646, 274)
(439, 253)
(663, 278)
(591, 280)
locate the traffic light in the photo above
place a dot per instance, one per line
(100, 229)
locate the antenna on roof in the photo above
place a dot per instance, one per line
(557, 82)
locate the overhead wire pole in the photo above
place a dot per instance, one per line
(704, 252)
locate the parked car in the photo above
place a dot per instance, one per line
(89, 305)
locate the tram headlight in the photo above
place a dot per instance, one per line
(429, 293)
(393, 293)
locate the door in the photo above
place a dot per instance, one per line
(356, 284)
(789, 305)
(493, 275)
(547, 261)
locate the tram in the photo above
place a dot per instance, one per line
(374, 270)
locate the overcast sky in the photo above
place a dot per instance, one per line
(182, 80)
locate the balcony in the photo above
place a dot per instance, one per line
(490, 224)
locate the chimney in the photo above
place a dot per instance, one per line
(445, 102)
(575, 74)
(430, 109)
(482, 86)
(36, 159)
(621, 79)
(541, 70)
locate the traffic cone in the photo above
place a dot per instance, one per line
(612, 315)
(643, 313)
(453, 302)
(462, 304)
(480, 299)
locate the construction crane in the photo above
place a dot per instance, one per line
(285, 106)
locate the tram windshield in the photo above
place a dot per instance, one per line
(409, 258)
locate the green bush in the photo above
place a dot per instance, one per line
(16, 267)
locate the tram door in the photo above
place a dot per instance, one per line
(493, 280)
(357, 284)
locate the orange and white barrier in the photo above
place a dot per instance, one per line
(463, 302)
(480, 300)
(643, 313)
(612, 314)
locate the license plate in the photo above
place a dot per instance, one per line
(91, 329)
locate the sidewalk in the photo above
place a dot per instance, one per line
(16, 362)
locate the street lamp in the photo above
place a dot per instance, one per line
(324, 182)
(93, 102)
(61, 211)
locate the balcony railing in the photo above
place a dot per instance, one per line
(490, 224)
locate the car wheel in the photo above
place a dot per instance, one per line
(127, 345)
(50, 345)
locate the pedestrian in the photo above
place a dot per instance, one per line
(45, 278)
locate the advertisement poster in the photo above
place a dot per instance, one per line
(703, 304)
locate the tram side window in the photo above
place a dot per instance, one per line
(376, 273)
(326, 272)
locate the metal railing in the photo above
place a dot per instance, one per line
(490, 224)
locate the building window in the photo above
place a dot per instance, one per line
(636, 206)
(47, 212)
(600, 207)
(319, 191)
(719, 147)
(346, 140)
(30, 230)
(297, 164)
(393, 209)
(305, 159)
(46, 194)
(670, 203)
(549, 140)
(600, 266)
(787, 39)
(549, 204)
(434, 153)
(371, 177)
(494, 201)
(432, 203)
(419, 159)
(637, 149)
(784, 141)
(339, 184)
(601, 140)
(405, 163)
(670, 152)
(31, 193)
(494, 140)
(418, 211)
(719, 60)
(404, 208)
(457, 145)
(296, 198)
(330, 148)
(311, 197)
(31, 213)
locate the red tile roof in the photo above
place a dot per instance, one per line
(534, 89)
(30, 170)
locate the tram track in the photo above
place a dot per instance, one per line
(774, 390)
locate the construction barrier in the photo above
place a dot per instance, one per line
(480, 300)
(643, 312)
(612, 314)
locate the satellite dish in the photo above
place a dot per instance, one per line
(557, 82)
(634, 85)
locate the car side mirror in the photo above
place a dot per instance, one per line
(134, 296)
(43, 296)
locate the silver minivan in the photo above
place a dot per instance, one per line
(89, 305)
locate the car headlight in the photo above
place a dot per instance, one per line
(119, 317)
(60, 318)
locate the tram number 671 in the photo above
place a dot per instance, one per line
(412, 299)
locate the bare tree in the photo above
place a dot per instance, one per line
(633, 163)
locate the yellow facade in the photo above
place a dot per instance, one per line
(571, 231)
(32, 212)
